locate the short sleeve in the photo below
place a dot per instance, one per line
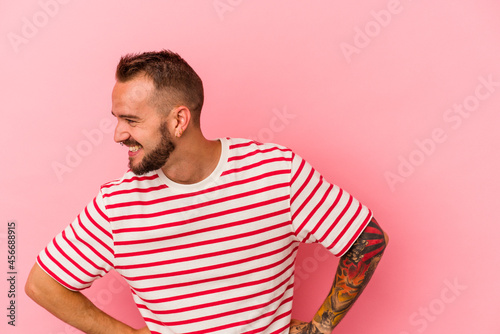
(83, 251)
(323, 212)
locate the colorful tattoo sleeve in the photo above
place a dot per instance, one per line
(354, 271)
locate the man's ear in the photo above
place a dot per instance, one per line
(182, 118)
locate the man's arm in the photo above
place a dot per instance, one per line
(354, 271)
(72, 307)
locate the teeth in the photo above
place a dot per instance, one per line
(134, 148)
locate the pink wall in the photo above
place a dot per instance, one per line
(396, 101)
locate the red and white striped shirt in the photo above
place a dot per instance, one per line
(212, 257)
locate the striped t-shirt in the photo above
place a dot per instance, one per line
(212, 257)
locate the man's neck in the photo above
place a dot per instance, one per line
(193, 160)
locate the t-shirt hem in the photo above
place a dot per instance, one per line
(55, 277)
(355, 237)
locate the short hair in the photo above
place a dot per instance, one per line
(176, 83)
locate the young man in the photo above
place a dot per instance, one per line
(204, 232)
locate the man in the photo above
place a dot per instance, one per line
(204, 232)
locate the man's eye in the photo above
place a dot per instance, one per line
(131, 121)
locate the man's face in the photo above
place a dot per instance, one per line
(140, 126)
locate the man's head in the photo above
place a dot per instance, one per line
(156, 96)
(175, 82)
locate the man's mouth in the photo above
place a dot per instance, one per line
(134, 148)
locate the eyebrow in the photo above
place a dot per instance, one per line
(125, 116)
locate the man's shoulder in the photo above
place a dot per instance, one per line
(250, 157)
(130, 181)
(250, 145)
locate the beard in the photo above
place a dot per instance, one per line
(157, 158)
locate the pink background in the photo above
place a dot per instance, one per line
(367, 92)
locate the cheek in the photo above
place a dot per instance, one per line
(150, 142)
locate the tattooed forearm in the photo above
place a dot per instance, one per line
(354, 271)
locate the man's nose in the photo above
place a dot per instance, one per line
(120, 133)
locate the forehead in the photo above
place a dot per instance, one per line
(136, 90)
(132, 95)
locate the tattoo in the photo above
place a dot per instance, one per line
(304, 328)
(354, 271)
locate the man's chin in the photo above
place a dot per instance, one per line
(140, 169)
(136, 169)
(137, 172)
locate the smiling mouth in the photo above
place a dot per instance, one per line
(134, 148)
